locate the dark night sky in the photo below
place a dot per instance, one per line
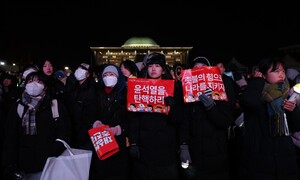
(66, 31)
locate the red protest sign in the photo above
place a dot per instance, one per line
(195, 81)
(104, 142)
(147, 95)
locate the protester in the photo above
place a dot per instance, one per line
(60, 75)
(268, 151)
(153, 136)
(55, 87)
(27, 70)
(112, 112)
(203, 135)
(31, 130)
(81, 103)
(129, 69)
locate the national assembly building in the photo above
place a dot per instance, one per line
(135, 49)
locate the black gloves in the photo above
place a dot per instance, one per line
(185, 154)
(208, 92)
(134, 151)
(206, 99)
(208, 102)
(170, 101)
(12, 172)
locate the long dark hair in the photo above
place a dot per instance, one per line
(131, 66)
(265, 64)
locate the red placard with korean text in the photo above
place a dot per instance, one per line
(195, 81)
(147, 95)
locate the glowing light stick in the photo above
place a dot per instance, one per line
(296, 92)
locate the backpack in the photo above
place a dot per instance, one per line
(54, 109)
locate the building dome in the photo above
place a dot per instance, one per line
(140, 42)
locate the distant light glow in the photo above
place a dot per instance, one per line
(2, 63)
(14, 64)
(66, 67)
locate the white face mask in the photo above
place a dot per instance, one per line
(110, 81)
(34, 88)
(80, 74)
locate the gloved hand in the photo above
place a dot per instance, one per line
(12, 172)
(115, 130)
(185, 154)
(134, 151)
(169, 101)
(97, 124)
(207, 101)
(208, 92)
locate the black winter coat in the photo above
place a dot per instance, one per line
(112, 112)
(82, 106)
(156, 136)
(30, 152)
(265, 156)
(205, 132)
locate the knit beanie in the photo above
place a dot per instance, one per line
(110, 68)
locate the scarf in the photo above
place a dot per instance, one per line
(28, 119)
(274, 94)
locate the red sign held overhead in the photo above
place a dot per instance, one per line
(195, 81)
(147, 95)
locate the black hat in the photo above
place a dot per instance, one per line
(85, 66)
(201, 59)
(156, 58)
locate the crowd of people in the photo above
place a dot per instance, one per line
(255, 134)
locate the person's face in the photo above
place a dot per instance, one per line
(178, 71)
(125, 71)
(7, 82)
(155, 71)
(109, 74)
(275, 76)
(48, 68)
(256, 70)
(197, 65)
(35, 79)
(221, 67)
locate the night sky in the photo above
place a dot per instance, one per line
(66, 30)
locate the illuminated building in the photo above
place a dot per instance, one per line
(135, 49)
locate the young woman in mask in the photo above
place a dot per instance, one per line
(112, 112)
(81, 103)
(31, 130)
(268, 151)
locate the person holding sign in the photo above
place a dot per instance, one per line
(203, 135)
(153, 135)
(112, 113)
